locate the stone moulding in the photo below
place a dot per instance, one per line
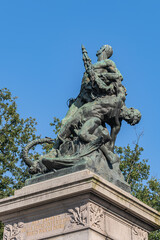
(76, 202)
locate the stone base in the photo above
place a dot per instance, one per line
(102, 169)
(77, 206)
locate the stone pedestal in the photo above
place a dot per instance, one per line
(77, 206)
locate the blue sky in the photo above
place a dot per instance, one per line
(41, 60)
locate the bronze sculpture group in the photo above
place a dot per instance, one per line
(84, 137)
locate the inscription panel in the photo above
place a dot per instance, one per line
(47, 226)
(42, 224)
(55, 221)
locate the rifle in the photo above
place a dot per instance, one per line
(94, 78)
(88, 65)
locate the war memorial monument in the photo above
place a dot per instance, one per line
(77, 191)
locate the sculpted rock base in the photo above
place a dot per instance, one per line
(76, 206)
(98, 165)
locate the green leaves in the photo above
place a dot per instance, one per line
(56, 127)
(137, 173)
(56, 124)
(15, 132)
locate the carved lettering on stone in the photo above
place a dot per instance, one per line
(13, 232)
(139, 234)
(78, 216)
(96, 216)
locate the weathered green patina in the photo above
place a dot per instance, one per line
(83, 139)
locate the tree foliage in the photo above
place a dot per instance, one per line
(137, 173)
(56, 125)
(15, 132)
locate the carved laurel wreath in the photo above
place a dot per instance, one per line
(139, 233)
(78, 215)
(96, 216)
(12, 232)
